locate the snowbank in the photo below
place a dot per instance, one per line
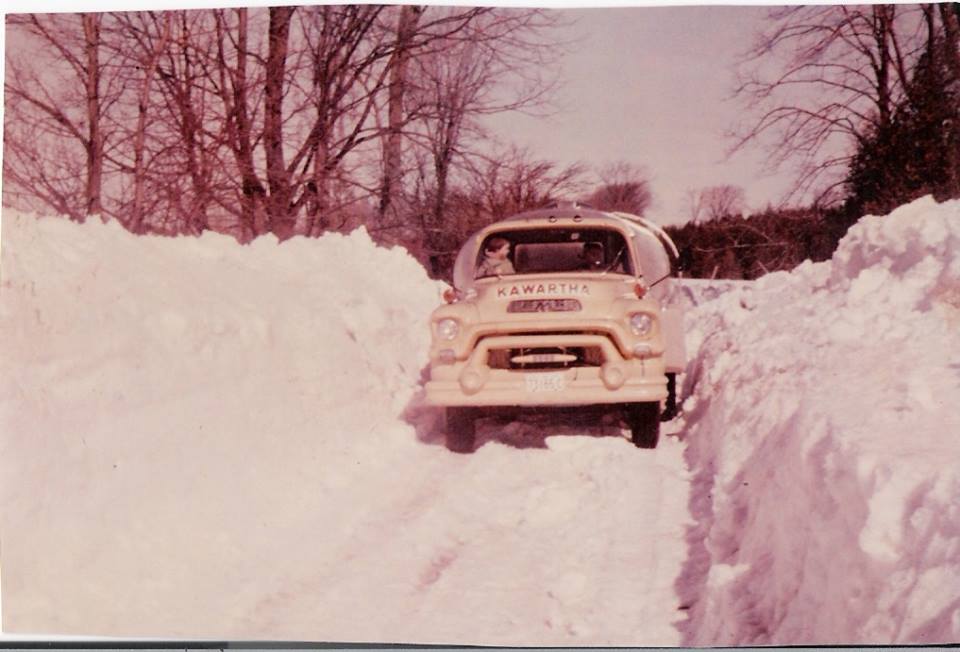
(160, 314)
(203, 440)
(180, 385)
(824, 434)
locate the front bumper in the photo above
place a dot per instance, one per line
(617, 380)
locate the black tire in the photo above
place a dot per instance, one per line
(461, 429)
(670, 409)
(644, 422)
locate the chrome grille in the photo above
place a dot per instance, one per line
(545, 357)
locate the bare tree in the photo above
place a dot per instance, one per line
(193, 112)
(236, 85)
(138, 42)
(489, 188)
(408, 17)
(514, 181)
(623, 187)
(278, 177)
(285, 119)
(42, 99)
(196, 142)
(498, 60)
(694, 200)
(714, 202)
(821, 79)
(950, 19)
(94, 142)
(346, 53)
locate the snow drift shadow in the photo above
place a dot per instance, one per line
(692, 581)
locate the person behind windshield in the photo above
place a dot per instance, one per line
(593, 257)
(495, 261)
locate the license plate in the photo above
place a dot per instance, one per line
(546, 382)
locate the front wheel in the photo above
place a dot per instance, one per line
(461, 429)
(670, 410)
(644, 422)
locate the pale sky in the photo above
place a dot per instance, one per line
(652, 86)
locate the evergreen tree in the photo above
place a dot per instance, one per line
(913, 155)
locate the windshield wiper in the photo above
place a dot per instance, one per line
(662, 278)
(614, 263)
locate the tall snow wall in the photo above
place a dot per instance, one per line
(824, 435)
(183, 403)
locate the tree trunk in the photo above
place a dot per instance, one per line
(392, 153)
(140, 135)
(198, 167)
(94, 144)
(319, 188)
(881, 33)
(435, 230)
(950, 16)
(239, 129)
(278, 179)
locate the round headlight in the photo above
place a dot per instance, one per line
(641, 324)
(447, 329)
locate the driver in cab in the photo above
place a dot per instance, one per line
(593, 257)
(495, 259)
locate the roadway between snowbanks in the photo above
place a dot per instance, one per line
(201, 440)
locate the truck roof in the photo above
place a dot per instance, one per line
(574, 215)
(651, 244)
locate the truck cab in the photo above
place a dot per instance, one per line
(559, 307)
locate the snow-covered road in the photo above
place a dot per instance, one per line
(572, 543)
(203, 440)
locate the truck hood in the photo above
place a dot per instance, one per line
(596, 294)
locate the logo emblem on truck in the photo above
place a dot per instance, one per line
(543, 288)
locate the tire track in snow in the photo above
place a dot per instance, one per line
(579, 543)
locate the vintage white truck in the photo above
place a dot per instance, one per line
(559, 307)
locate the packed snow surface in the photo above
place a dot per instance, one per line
(201, 439)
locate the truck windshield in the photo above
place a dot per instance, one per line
(545, 251)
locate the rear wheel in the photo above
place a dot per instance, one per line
(670, 409)
(461, 429)
(644, 422)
